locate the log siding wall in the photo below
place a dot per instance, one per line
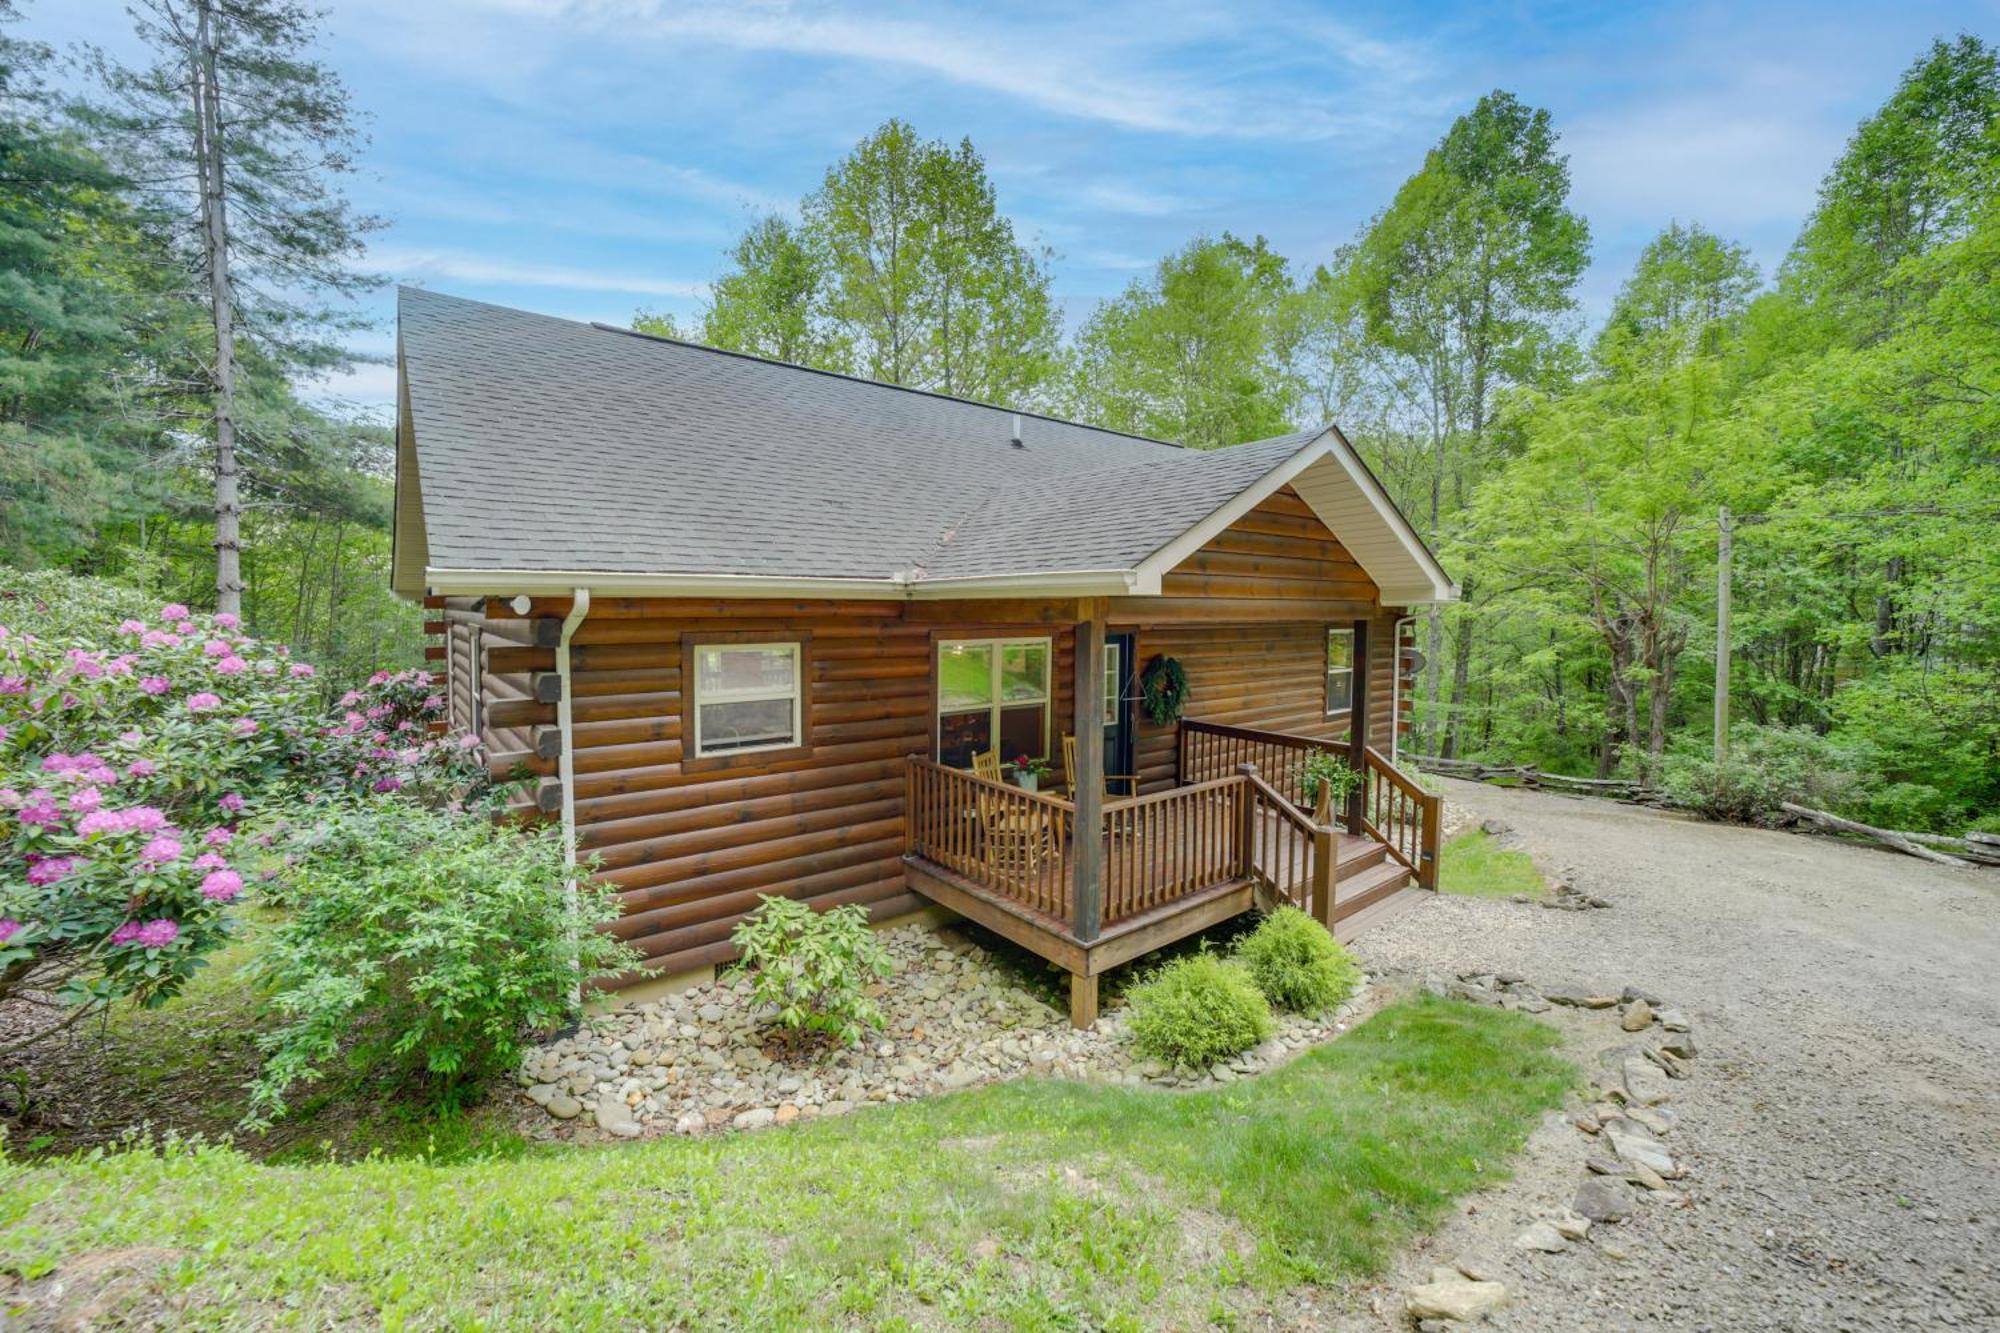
(690, 852)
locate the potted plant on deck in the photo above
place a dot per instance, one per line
(1327, 781)
(1029, 772)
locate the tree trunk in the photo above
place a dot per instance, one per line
(215, 262)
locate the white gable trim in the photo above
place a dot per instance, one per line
(1434, 585)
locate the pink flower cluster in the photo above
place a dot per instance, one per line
(139, 819)
(86, 768)
(156, 934)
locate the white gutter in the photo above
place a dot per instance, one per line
(566, 762)
(902, 587)
(1396, 687)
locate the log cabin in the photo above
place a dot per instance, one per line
(747, 628)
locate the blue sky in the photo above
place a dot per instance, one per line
(588, 157)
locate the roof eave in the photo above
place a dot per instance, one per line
(561, 582)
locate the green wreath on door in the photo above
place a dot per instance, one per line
(1163, 690)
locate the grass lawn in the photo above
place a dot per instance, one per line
(1474, 864)
(1035, 1204)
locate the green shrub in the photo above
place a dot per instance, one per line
(813, 968)
(1297, 963)
(1324, 767)
(1197, 1010)
(1767, 766)
(426, 948)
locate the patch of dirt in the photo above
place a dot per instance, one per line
(117, 1288)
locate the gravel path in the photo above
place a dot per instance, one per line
(1842, 1129)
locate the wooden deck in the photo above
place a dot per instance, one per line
(1166, 865)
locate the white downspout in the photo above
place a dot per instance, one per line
(566, 761)
(1395, 690)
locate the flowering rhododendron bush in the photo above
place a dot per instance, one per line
(131, 751)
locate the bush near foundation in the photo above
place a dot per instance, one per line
(1198, 1010)
(1297, 963)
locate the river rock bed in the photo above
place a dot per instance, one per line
(956, 1016)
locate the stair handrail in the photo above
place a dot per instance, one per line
(1414, 843)
(1322, 841)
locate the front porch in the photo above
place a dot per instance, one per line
(1090, 884)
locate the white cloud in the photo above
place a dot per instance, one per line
(405, 263)
(1699, 160)
(368, 390)
(1075, 70)
(1116, 197)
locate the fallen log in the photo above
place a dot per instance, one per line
(1887, 837)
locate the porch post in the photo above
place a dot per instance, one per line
(1357, 728)
(1087, 783)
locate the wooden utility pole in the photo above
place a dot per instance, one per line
(209, 158)
(1722, 554)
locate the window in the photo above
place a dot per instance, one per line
(747, 696)
(1112, 679)
(1339, 670)
(992, 692)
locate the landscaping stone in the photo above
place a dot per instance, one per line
(1541, 1237)
(1571, 1225)
(1602, 1199)
(1645, 1084)
(1460, 1300)
(1635, 1145)
(1576, 997)
(1638, 1016)
(705, 1059)
(1658, 1119)
(615, 1117)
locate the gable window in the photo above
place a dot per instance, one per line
(747, 697)
(992, 693)
(1339, 670)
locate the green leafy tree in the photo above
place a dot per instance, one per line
(1912, 177)
(1599, 523)
(1198, 353)
(1463, 279)
(69, 349)
(901, 268)
(241, 136)
(769, 303)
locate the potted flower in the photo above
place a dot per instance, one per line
(1029, 772)
(1327, 781)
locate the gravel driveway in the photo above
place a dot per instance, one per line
(1842, 1129)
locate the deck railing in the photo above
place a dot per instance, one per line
(1294, 856)
(1402, 816)
(1013, 842)
(1394, 809)
(1171, 845)
(1222, 825)
(1212, 750)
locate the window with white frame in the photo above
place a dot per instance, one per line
(1339, 670)
(992, 693)
(747, 696)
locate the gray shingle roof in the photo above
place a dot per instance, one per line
(1107, 518)
(543, 445)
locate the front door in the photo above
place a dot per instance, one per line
(1121, 692)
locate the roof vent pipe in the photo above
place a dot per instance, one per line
(1015, 438)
